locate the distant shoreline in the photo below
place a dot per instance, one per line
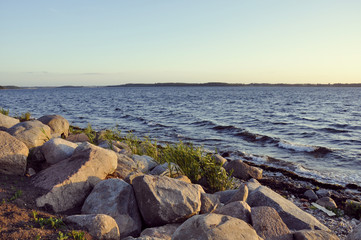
(210, 84)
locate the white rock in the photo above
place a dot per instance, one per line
(115, 198)
(144, 163)
(68, 182)
(32, 133)
(164, 200)
(100, 226)
(58, 125)
(7, 122)
(57, 149)
(215, 227)
(13, 155)
(294, 217)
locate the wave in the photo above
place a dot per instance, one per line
(203, 123)
(333, 130)
(254, 137)
(246, 135)
(228, 127)
(303, 148)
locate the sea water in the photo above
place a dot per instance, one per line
(313, 131)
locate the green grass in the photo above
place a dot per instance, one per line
(4, 112)
(50, 222)
(16, 195)
(88, 131)
(194, 162)
(25, 116)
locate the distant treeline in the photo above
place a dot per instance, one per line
(9, 87)
(210, 84)
(220, 84)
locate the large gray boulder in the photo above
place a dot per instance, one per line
(163, 232)
(238, 209)
(209, 202)
(316, 235)
(68, 182)
(32, 133)
(355, 234)
(115, 198)
(293, 217)
(252, 185)
(215, 227)
(116, 146)
(144, 163)
(59, 126)
(13, 155)
(164, 200)
(269, 225)
(166, 169)
(125, 166)
(100, 226)
(242, 170)
(57, 149)
(7, 122)
(226, 195)
(241, 194)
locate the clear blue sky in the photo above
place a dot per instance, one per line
(87, 42)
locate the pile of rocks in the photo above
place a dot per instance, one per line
(141, 201)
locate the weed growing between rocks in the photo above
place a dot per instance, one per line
(194, 162)
(4, 112)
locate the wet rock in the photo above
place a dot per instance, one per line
(238, 209)
(100, 226)
(314, 235)
(293, 217)
(269, 225)
(68, 182)
(7, 122)
(326, 202)
(311, 195)
(171, 200)
(215, 226)
(242, 170)
(32, 133)
(57, 149)
(58, 125)
(115, 198)
(13, 155)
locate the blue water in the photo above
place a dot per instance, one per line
(314, 131)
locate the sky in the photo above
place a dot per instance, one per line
(88, 42)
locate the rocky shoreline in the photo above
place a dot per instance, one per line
(108, 192)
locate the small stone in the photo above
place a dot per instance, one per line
(323, 193)
(310, 194)
(219, 159)
(327, 202)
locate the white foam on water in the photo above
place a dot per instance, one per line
(296, 147)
